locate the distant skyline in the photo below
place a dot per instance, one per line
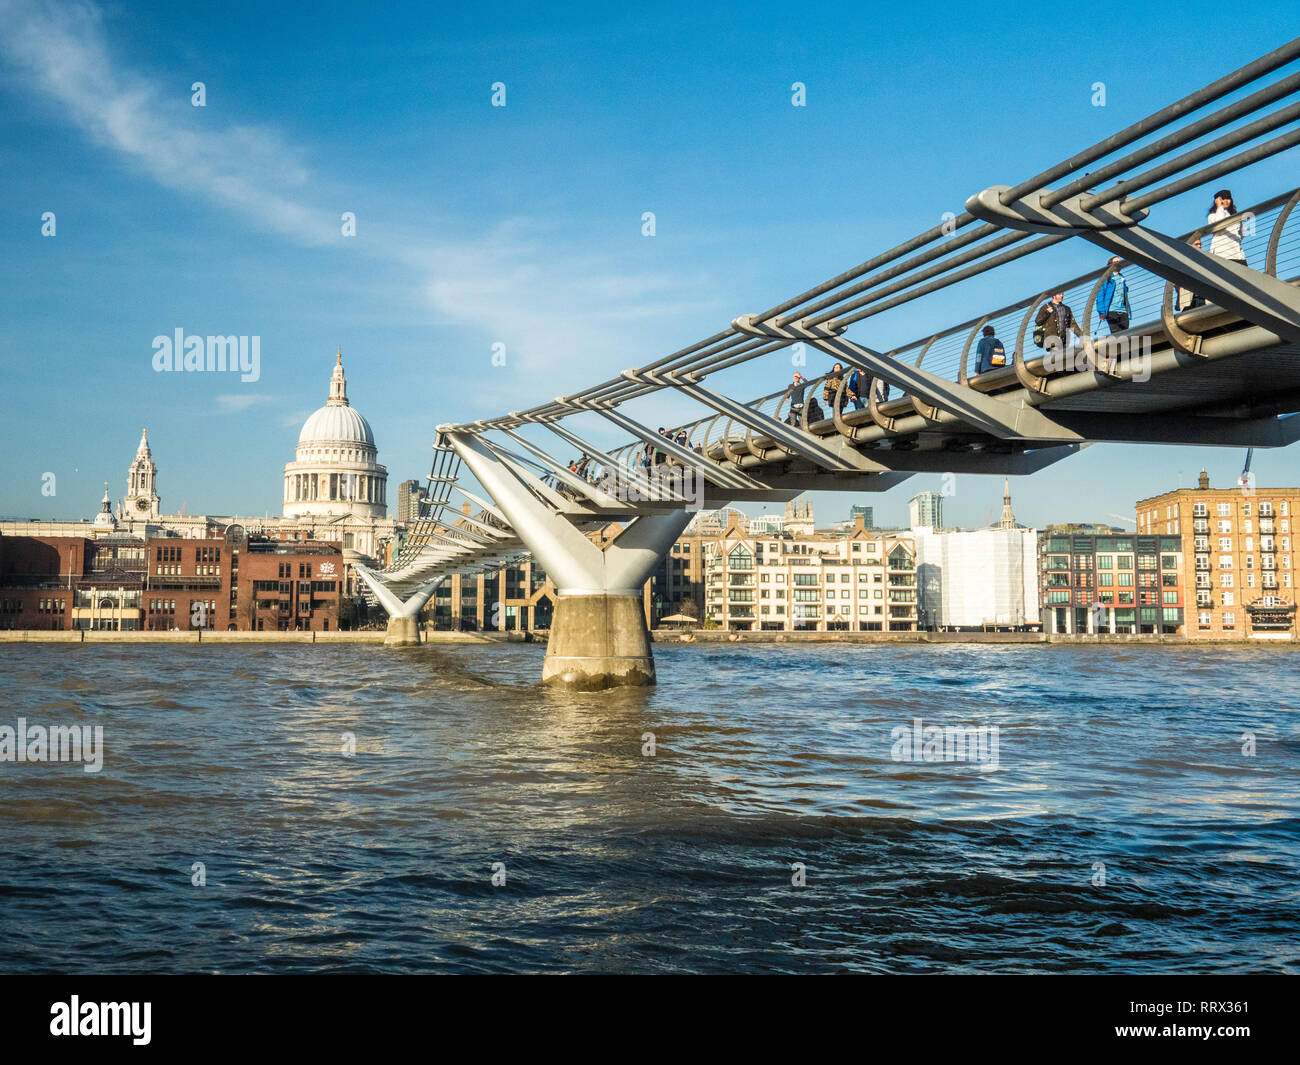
(520, 225)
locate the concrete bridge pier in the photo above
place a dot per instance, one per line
(402, 631)
(598, 633)
(599, 641)
(403, 616)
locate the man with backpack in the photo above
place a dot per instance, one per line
(989, 353)
(1112, 299)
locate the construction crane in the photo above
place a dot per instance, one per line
(1247, 479)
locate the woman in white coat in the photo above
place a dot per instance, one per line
(1225, 242)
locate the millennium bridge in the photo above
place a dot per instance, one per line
(1214, 359)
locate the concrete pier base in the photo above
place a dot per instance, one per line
(402, 632)
(598, 642)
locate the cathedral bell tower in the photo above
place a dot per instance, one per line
(142, 501)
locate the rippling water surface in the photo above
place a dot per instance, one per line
(681, 861)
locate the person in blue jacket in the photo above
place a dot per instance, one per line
(1112, 299)
(989, 352)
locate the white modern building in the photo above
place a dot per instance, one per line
(981, 579)
(925, 510)
(766, 524)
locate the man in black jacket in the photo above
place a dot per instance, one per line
(1056, 320)
(796, 393)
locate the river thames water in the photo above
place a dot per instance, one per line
(616, 860)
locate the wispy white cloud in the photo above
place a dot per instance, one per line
(60, 50)
(234, 403)
(556, 309)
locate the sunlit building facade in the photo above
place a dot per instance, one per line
(1097, 580)
(860, 582)
(1239, 543)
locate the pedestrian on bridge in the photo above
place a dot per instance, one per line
(1055, 319)
(796, 392)
(857, 388)
(989, 352)
(1112, 299)
(831, 394)
(1226, 241)
(661, 456)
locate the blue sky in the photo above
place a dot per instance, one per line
(521, 225)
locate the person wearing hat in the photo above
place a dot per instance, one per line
(1112, 299)
(1226, 242)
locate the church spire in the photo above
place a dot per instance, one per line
(1008, 515)
(338, 383)
(143, 452)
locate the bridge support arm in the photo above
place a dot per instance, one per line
(403, 615)
(598, 633)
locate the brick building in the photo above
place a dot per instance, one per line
(121, 583)
(1239, 545)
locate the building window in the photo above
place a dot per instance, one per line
(740, 558)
